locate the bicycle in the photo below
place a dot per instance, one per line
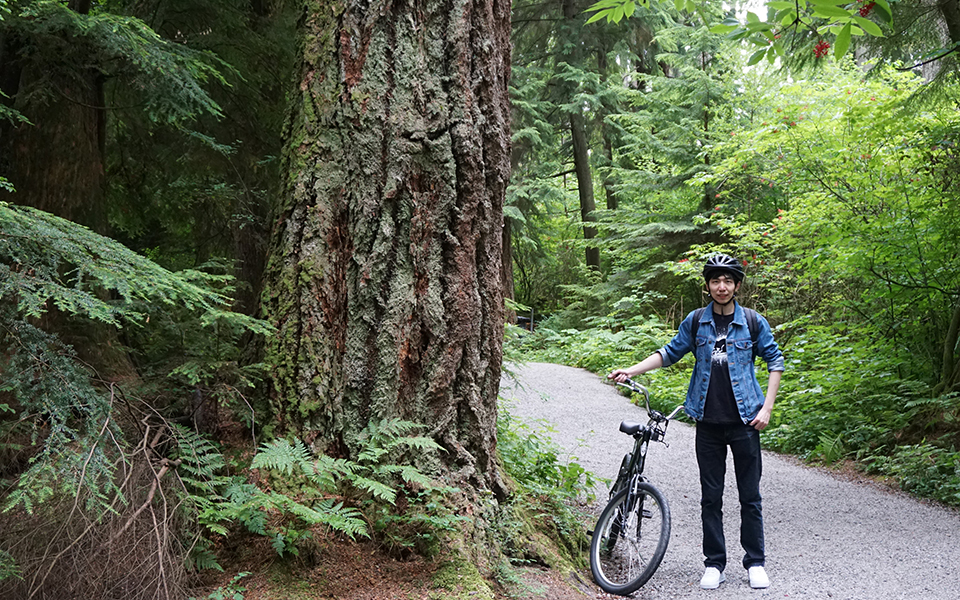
(633, 530)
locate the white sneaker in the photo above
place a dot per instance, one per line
(712, 578)
(758, 578)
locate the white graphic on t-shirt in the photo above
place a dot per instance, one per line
(719, 356)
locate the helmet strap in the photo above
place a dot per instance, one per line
(724, 304)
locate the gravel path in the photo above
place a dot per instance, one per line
(826, 536)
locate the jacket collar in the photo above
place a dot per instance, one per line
(738, 315)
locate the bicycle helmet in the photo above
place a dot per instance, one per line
(723, 262)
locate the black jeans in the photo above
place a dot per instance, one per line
(744, 443)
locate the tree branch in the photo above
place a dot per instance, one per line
(934, 59)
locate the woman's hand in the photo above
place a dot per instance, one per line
(762, 419)
(619, 375)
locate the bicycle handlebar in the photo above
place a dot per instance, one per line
(640, 389)
(673, 415)
(634, 386)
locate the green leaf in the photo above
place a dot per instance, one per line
(831, 12)
(778, 5)
(788, 18)
(883, 7)
(721, 29)
(604, 10)
(868, 26)
(756, 57)
(597, 16)
(842, 43)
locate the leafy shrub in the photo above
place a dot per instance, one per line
(551, 489)
(923, 469)
(534, 462)
(606, 344)
(86, 458)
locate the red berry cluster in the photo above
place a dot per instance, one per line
(866, 8)
(820, 50)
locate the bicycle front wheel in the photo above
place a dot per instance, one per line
(630, 539)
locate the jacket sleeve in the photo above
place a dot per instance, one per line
(681, 343)
(768, 349)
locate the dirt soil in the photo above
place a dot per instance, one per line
(347, 570)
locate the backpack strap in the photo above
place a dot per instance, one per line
(695, 326)
(754, 328)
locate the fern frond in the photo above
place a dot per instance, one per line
(287, 458)
(375, 488)
(418, 443)
(370, 454)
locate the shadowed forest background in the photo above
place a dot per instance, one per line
(262, 263)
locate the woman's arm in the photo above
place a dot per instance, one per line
(654, 361)
(762, 419)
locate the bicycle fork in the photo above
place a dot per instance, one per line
(627, 508)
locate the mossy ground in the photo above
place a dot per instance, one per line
(343, 569)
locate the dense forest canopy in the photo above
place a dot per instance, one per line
(254, 256)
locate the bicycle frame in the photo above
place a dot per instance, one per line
(622, 559)
(654, 430)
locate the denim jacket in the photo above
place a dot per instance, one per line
(743, 377)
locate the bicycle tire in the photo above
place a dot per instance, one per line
(622, 558)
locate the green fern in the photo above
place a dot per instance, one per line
(285, 457)
(373, 480)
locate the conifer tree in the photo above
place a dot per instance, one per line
(384, 278)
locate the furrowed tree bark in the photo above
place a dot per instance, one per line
(384, 278)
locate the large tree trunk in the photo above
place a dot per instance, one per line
(384, 279)
(950, 370)
(507, 268)
(605, 133)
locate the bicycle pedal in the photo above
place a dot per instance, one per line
(647, 513)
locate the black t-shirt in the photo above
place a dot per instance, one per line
(721, 405)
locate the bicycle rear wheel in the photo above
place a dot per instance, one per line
(629, 541)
